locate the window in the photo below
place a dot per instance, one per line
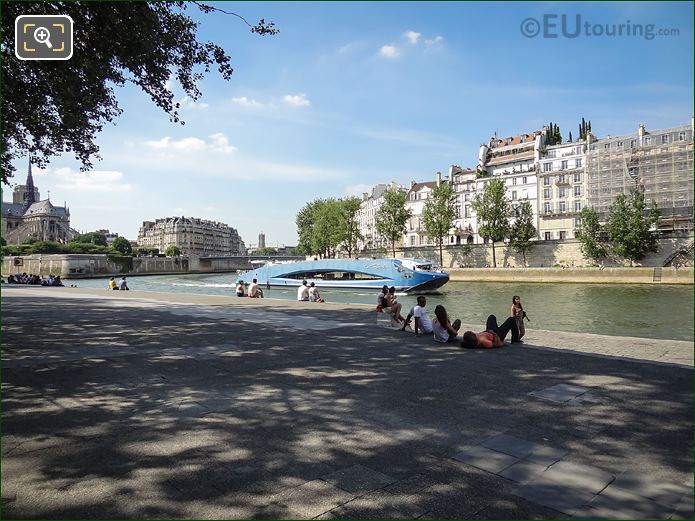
(578, 163)
(562, 192)
(633, 143)
(577, 221)
(466, 197)
(524, 180)
(561, 178)
(563, 165)
(546, 181)
(577, 206)
(620, 144)
(547, 236)
(547, 167)
(664, 139)
(412, 240)
(546, 207)
(514, 181)
(562, 235)
(647, 140)
(563, 206)
(546, 193)
(466, 211)
(577, 191)
(513, 195)
(681, 136)
(577, 178)
(606, 146)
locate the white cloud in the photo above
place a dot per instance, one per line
(188, 103)
(92, 181)
(298, 100)
(435, 43)
(358, 189)
(218, 143)
(412, 36)
(389, 51)
(247, 102)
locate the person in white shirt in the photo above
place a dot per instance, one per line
(314, 295)
(123, 285)
(240, 289)
(444, 331)
(422, 321)
(303, 292)
(255, 290)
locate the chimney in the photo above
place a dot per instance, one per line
(439, 178)
(642, 131)
(412, 184)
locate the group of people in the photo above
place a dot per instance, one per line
(120, 285)
(34, 280)
(444, 330)
(307, 292)
(254, 290)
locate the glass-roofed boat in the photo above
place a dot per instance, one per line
(406, 275)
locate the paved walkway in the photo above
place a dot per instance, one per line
(147, 405)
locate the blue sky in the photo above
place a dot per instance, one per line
(352, 94)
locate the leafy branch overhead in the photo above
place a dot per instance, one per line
(55, 107)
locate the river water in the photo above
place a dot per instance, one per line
(640, 310)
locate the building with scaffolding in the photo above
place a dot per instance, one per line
(659, 162)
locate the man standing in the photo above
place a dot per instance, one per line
(303, 292)
(493, 336)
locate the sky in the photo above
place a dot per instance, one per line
(352, 94)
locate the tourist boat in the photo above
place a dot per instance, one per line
(407, 275)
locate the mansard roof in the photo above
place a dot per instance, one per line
(12, 209)
(45, 208)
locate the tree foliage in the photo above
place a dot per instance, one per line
(265, 251)
(523, 231)
(492, 212)
(91, 237)
(324, 225)
(592, 236)
(632, 226)
(350, 207)
(553, 136)
(122, 245)
(584, 129)
(172, 251)
(52, 107)
(392, 216)
(439, 213)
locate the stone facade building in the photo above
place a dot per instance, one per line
(366, 216)
(27, 216)
(193, 236)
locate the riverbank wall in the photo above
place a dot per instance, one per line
(641, 275)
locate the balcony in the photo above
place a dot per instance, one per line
(561, 181)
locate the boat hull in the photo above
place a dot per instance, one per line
(348, 274)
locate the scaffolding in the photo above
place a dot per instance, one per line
(659, 163)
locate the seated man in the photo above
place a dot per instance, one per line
(382, 299)
(303, 292)
(255, 290)
(493, 336)
(314, 295)
(422, 321)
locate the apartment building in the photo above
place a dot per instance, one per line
(193, 236)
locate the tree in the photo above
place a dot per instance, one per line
(569, 139)
(305, 220)
(121, 244)
(54, 107)
(350, 206)
(523, 231)
(492, 209)
(329, 227)
(392, 216)
(438, 215)
(91, 237)
(592, 236)
(632, 226)
(172, 251)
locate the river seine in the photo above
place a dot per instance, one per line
(639, 310)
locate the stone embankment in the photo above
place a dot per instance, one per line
(575, 275)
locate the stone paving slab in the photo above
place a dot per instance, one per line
(358, 479)
(560, 393)
(485, 459)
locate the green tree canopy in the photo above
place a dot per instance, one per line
(329, 227)
(392, 216)
(592, 236)
(632, 226)
(492, 213)
(265, 251)
(54, 107)
(523, 231)
(305, 220)
(91, 237)
(438, 214)
(172, 251)
(121, 244)
(350, 207)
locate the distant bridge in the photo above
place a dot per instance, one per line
(235, 263)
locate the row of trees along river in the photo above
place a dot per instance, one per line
(326, 227)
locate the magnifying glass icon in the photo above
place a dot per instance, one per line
(42, 35)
